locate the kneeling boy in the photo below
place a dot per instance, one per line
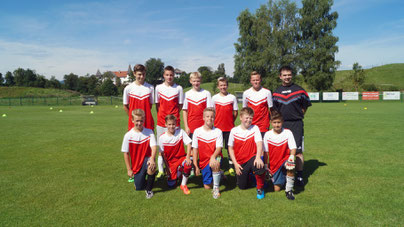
(245, 149)
(172, 150)
(139, 147)
(207, 141)
(280, 146)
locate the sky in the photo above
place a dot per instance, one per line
(55, 38)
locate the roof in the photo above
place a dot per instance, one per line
(121, 74)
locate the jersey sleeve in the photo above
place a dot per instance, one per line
(195, 139)
(257, 134)
(152, 139)
(235, 104)
(180, 95)
(160, 142)
(305, 101)
(244, 99)
(214, 102)
(125, 143)
(219, 140)
(126, 95)
(185, 138)
(157, 95)
(231, 139)
(265, 143)
(185, 103)
(208, 99)
(291, 141)
(269, 99)
(152, 95)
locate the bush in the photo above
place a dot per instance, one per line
(369, 87)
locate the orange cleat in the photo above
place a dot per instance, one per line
(185, 189)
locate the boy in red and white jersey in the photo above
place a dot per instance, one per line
(195, 101)
(260, 100)
(245, 149)
(207, 142)
(280, 147)
(226, 108)
(139, 95)
(172, 150)
(169, 100)
(139, 147)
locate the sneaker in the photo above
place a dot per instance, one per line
(232, 172)
(260, 194)
(290, 195)
(160, 175)
(215, 193)
(149, 194)
(185, 189)
(299, 181)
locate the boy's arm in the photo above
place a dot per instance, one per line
(235, 114)
(258, 161)
(151, 162)
(188, 158)
(127, 163)
(157, 107)
(185, 117)
(237, 167)
(126, 108)
(195, 160)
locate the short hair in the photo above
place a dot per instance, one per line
(139, 67)
(209, 109)
(275, 115)
(222, 79)
(247, 110)
(170, 117)
(169, 68)
(285, 68)
(195, 75)
(138, 112)
(253, 73)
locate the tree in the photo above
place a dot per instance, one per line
(1, 79)
(268, 40)
(317, 43)
(93, 84)
(154, 71)
(108, 88)
(220, 72)
(358, 76)
(206, 73)
(26, 78)
(183, 80)
(71, 81)
(53, 83)
(9, 79)
(40, 81)
(130, 74)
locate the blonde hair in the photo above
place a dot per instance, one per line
(222, 79)
(138, 112)
(254, 73)
(209, 109)
(247, 110)
(195, 75)
(170, 117)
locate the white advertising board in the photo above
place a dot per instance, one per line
(391, 95)
(330, 96)
(350, 95)
(314, 96)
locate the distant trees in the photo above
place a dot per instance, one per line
(1, 79)
(358, 76)
(154, 71)
(9, 79)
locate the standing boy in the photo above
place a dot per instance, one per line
(292, 102)
(245, 149)
(226, 108)
(196, 100)
(169, 99)
(260, 100)
(139, 147)
(207, 142)
(280, 147)
(172, 149)
(139, 95)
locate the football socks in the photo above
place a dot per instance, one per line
(290, 181)
(160, 164)
(216, 179)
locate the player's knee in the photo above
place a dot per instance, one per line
(277, 188)
(151, 171)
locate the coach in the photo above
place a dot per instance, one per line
(292, 102)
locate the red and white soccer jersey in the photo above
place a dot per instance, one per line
(224, 106)
(173, 148)
(195, 102)
(139, 145)
(206, 142)
(278, 147)
(260, 101)
(139, 97)
(169, 97)
(244, 142)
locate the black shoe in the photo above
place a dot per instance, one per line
(299, 182)
(290, 195)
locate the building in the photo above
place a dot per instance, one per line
(123, 76)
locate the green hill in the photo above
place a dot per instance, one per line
(14, 92)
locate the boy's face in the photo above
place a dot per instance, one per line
(277, 125)
(255, 81)
(196, 83)
(246, 120)
(286, 77)
(140, 76)
(209, 118)
(222, 86)
(170, 125)
(138, 122)
(168, 76)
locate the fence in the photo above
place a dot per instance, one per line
(56, 101)
(355, 96)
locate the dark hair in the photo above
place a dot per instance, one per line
(247, 110)
(169, 68)
(275, 115)
(285, 68)
(170, 117)
(139, 67)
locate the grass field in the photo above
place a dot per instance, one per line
(67, 169)
(16, 92)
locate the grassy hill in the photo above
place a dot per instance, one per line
(233, 87)
(14, 92)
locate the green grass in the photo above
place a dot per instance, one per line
(67, 169)
(14, 92)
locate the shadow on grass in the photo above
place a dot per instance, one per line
(310, 166)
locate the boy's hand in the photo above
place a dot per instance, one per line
(258, 163)
(187, 130)
(290, 163)
(213, 163)
(130, 173)
(188, 161)
(238, 168)
(197, 171)
(151, 164)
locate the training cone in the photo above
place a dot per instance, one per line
(60, 111)
(344, 104)
(51, 108)
(365, 108)
(116, 106)
(4, 115)
(92, 106)
(91, 112)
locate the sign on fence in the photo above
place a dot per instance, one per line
(370, 95)
(330, 96)
(391, 95)
(314, 96)
(350, 95)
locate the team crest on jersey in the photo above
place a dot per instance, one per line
(286, 91)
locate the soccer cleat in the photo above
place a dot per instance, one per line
(149, 194)
(185, 189)
(131, 179)
(232, 172)
(215, 193)
(290, 195)
(299, 181)
(192, 174)
(260, 194)
(160, 175)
